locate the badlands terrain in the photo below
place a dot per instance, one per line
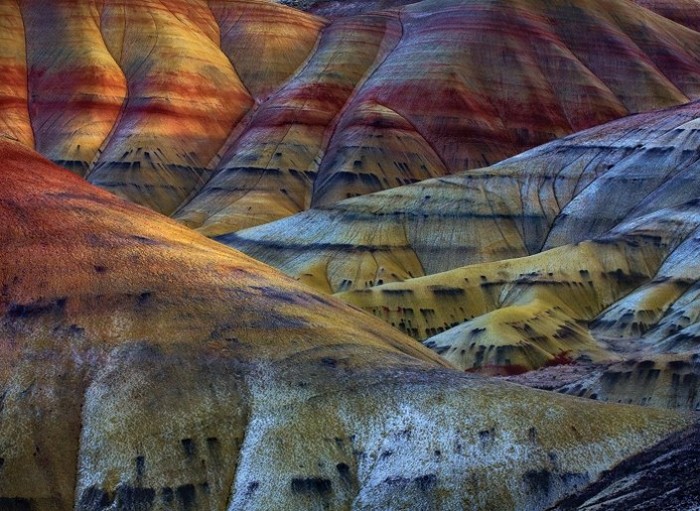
(371, 255)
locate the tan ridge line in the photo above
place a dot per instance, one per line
(215, 161)
(125, 100)
(369, 73)
(272, 154)
(26, 67)
(205, 177)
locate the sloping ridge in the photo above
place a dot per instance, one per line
(146, 367)
(231, 113)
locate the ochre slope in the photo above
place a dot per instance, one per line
(516, 339)
(146, 367)
(522, 314)
(141, 95)
(269, 171)
(577, 282)
(266, 44)
(184, 98)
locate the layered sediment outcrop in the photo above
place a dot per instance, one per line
(229, 114)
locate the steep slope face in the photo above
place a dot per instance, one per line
(146, 367)
(685, 12)
(232, 113)
(564, 192)
(663, 477)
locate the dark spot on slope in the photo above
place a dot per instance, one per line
(344, 472)
(213, 445)
(532, 435)
(30, 310)
(486, 437)
(140, 466)
(252, 487)
(186, 495)
(15, 504)
(130, 498)
(426, 482)
(538, 481)
(188, 446)
(92, 499)
(145, 240)
(278, 295)
(168, 496)
(144, 297)
(311, 485)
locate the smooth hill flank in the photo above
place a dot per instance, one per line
(231, 113)
(609, 215)
(491, 315)
(567, 191)
(145, 366)
(436, 101)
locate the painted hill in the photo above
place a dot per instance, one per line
(232, 113)
(147, 367)
(583, 250)
(571, 190)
